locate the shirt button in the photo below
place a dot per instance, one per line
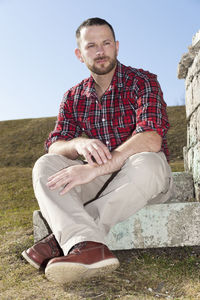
(107, 142)
(103, 120)
(83, 129)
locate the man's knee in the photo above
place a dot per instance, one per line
(149, 161)
(48, 164)
(149, 168)
(43, 162)
(51, 163)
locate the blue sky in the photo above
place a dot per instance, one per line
(37, 42)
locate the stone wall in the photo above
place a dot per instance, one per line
(189, 69)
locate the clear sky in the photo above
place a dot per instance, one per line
(37, 42)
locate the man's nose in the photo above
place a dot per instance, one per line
(100, 50)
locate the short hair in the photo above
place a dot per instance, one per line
(93, 22)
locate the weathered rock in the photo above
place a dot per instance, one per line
(192, 131)
(184, 187)
(193, 70)
(196, 166)
(189, 68)
(160, 225)
(188, 58)
(40, 227)
(185, 63)
(185, 158)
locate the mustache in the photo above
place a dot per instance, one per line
(101, 57)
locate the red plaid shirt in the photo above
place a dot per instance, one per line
(133, 103)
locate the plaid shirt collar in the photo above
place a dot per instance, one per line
(117, 81)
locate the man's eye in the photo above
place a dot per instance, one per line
(90, 46)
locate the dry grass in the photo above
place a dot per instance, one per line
(169, 273)
(143, 274)
(177, 134)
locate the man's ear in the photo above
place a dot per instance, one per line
(78, 54)
(117, 46)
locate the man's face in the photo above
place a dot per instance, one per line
(98, 49)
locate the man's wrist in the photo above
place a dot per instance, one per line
(112, 165)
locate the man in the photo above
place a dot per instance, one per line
(116, 120)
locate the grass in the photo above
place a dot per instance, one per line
(177, 134)
(22, 141)
(168, 273)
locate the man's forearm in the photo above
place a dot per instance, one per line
(65, 148)
(148, 141)
(80, 174)
(91, 149)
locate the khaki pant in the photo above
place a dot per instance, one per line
(87, 212)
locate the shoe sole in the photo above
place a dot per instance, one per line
(30, 261)
(64, 272)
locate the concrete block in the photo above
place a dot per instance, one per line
(184, 187)
(160, 225)
(189, 106)
(197, 191)
(184, 64)
(188, 135)
(196, 167)
(190, 159)
(185, 158)
(196, 91)
(193, 70)
(192, 130)
(154, 226)
(40, 227)
(187, 58)
(189, 68)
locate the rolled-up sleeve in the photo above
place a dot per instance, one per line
(151, 114)
(66, 127)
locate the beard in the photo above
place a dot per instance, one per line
(103, 68)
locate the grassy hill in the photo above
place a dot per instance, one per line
(22, 141)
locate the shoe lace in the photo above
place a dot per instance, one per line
(76, 249)
(53, 246)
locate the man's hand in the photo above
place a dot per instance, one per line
(70, 177)
(93, 150)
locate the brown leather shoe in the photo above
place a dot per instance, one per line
(40, 253)
(86, 259)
